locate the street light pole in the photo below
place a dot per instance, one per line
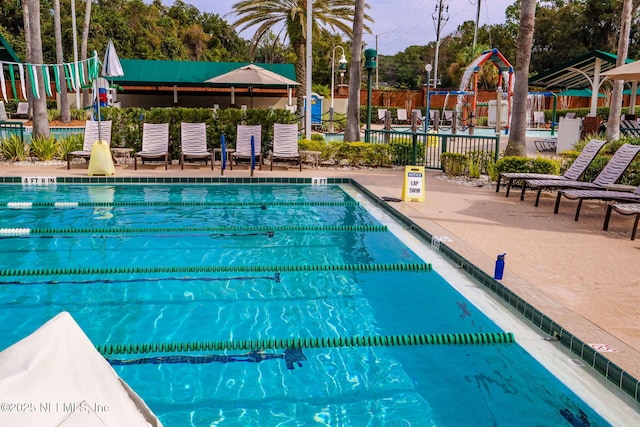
(378, 35)
(427, 115)
(343, 63)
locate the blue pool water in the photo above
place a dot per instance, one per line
(246, 226)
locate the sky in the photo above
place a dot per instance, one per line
(398, 23)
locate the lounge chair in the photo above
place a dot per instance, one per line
(3, 113)
(546, 144)
(605, 195)
(624, 209)
(382, 112)
(285, 143)
(243, 144)
(22, 111)
(630, 128)
(155, 144)
(91, 136)
(570, 115)
(402, 115)
(538, 118)
(609, 175)
(574, 172)
(193, 140)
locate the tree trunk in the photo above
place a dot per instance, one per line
(64, 99)
(301, 74)
(352, 130)
(27, 40)
(613, 121)
(84, 46)
(40, 118)
(517, 145)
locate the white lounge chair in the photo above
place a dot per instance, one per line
(3, 113)
(382, 112)
(538, 118)
(402, 115)
(193, 139)
(22, 111)
(243, 144)
(90, 137)
(155, 144)
(285, 143)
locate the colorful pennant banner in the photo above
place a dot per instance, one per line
(76, 74)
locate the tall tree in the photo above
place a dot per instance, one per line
(65, 114)
(352, 129)
(84, 45)
(518, 133)
(268, 14)
(613, 121)
(40, 118)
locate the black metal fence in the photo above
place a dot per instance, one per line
(424, 148)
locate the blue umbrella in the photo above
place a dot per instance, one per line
(223, 149)
(253, 154)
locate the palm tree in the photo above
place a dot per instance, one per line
(352, 131)
(267, 14)
(613, 121)
(518, 134)
(84, 45)
(40, 118)
(64, 99)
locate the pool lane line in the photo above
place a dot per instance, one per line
(284, 343)
(248, 203)
(412, 267)
(276, 278)
(14, 232)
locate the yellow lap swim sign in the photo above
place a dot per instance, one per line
(413, 186)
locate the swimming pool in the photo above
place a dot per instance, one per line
(221, 263)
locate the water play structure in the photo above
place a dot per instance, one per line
(467, 102)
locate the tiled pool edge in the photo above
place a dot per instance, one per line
(600, 363)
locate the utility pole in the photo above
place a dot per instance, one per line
(475, 32)
(440, 18)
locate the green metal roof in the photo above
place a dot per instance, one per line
(6, 52)
(185, 73)
(573, 74)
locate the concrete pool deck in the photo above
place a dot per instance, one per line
(584, 278)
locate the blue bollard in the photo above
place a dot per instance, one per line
(499, 267)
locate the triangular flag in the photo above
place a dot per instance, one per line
(56, 76)
(12, 76)
(33, 76)
(2, 83)
(23, 81)
(47, 80)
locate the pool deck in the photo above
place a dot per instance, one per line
(584, 278)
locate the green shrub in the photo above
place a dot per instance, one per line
(78, 114)
(454, 164)
(527, 165)
(317, 137)
(378, 155)
(53, 114)
(482, 121)
(45, 148)
(401, 151)
(70, 143)
(13, 148)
